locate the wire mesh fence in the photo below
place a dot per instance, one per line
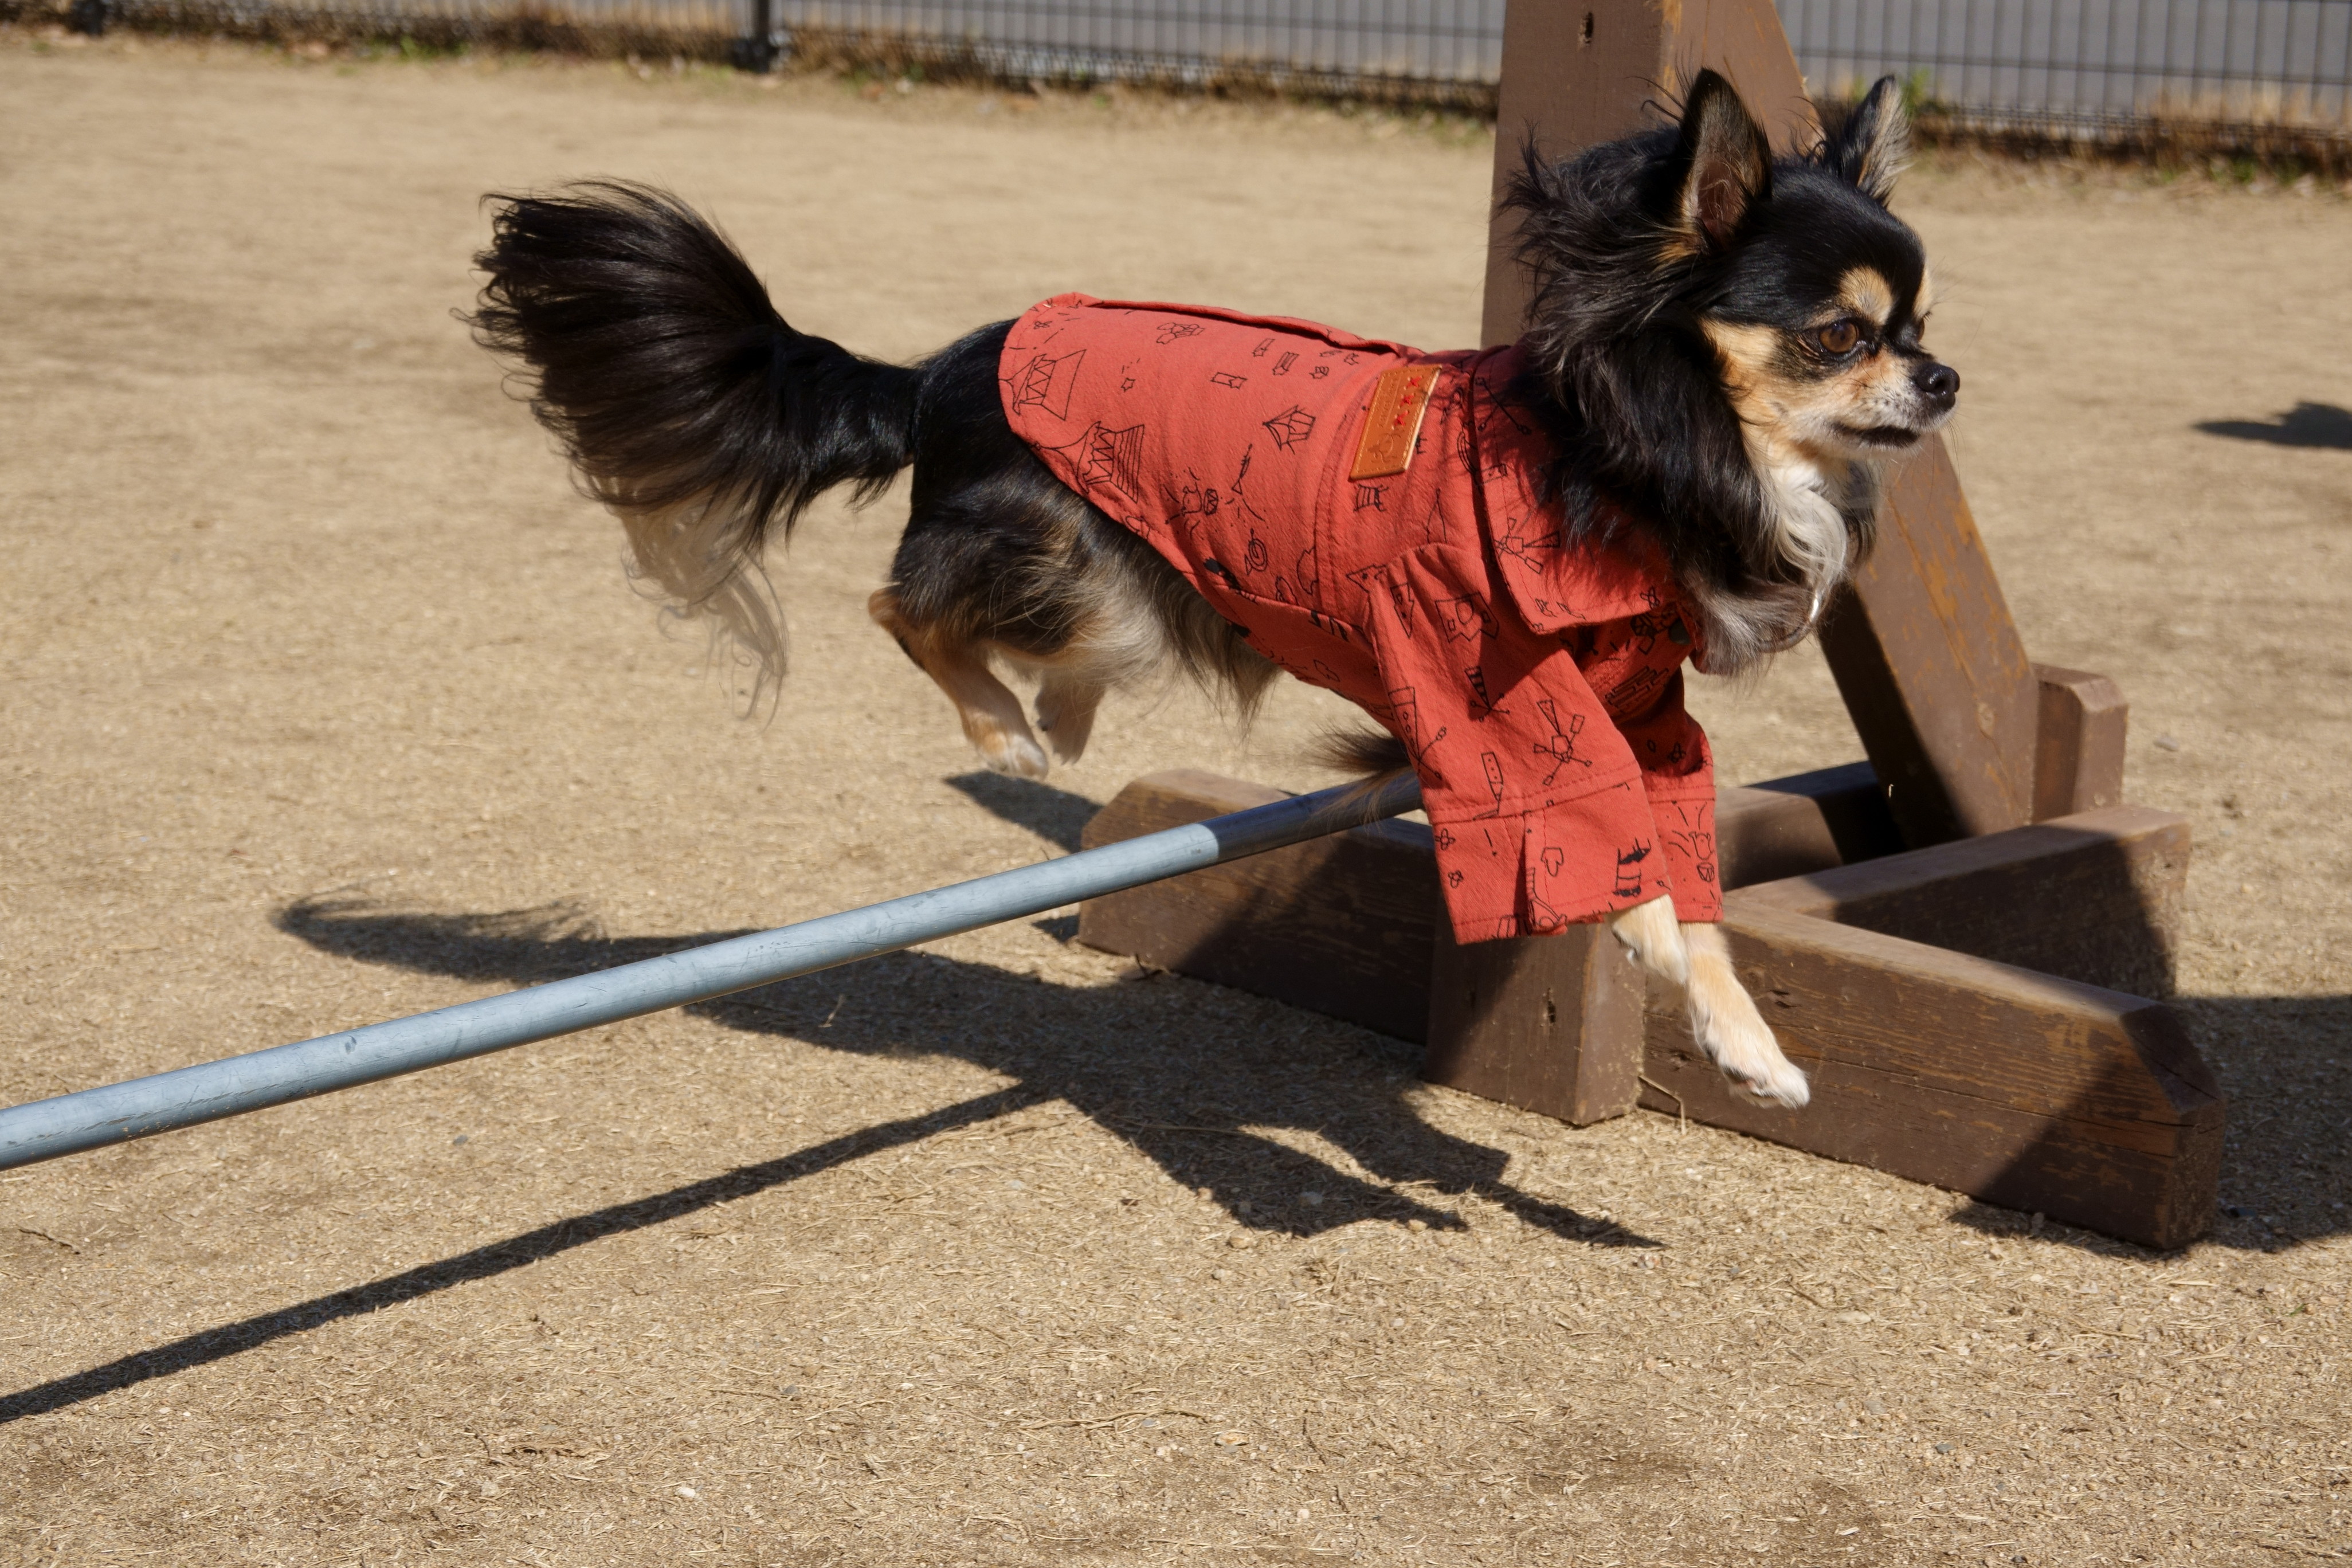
(2095, 68)
(2267, 75)
(1439, 52)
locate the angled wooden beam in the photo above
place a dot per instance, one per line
(1924, 648)
(1931, 666)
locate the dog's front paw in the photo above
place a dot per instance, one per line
(1749, 1057)
(1728, 1028)
(1066, 712)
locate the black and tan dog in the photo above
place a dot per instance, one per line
(1505, 556)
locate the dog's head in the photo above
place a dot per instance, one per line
(1815, 295)
(1730, 346)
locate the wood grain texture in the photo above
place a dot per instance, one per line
(1341, 926)
(1931, 666)
(2095, 897)
(1552, 1024)
(1348, 925)
(2023, 1089)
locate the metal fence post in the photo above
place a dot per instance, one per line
(759, 53)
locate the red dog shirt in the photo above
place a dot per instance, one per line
(1409, 567)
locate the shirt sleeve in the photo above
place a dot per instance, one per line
(1678, 779)
(1542, 814)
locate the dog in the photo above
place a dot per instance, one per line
(1504, 556)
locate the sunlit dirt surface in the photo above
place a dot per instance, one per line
(326, 701)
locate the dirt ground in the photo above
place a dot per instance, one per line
(325, 700)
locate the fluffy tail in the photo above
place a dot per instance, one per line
(685, 402)
(1362, 751)
(1374, 759)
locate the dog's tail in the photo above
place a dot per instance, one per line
(1373, 759)
(685, 402)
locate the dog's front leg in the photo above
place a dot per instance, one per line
(1722, 1015)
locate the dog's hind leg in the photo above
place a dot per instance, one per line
(1120, 639)
(990, 712)
(1066, 701)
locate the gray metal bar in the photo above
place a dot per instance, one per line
(95, 1118)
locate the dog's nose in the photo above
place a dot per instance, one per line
(1938, 384)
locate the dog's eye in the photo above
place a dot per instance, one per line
(1839, 337)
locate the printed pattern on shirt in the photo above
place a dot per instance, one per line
(1537, 685)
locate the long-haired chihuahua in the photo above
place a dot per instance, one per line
(1503, 557)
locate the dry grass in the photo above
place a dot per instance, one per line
(992, 1253)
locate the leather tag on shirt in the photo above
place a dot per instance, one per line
(1399, 398)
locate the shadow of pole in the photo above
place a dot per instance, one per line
(496, 1258)
(1056, 815)
(1192, 1107)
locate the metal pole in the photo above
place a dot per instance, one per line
(95, 1118)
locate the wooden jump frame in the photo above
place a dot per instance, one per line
(1955, 939)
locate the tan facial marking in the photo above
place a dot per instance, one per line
(1748, 352)
(1925, 300)
(1792, 418)
(1865, 292)
(1763, 394)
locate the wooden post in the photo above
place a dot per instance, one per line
(1539, 1022)
(1579, 72)
(2078, 759)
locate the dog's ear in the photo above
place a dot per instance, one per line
(1875, 143)
(1723, 163)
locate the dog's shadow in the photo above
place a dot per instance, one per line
(1188, 1084)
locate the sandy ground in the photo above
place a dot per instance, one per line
(325, 702)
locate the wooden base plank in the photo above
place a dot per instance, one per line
(1806, 822)
(2022, 1089)
(1551, 1024)
(1340, 926)
(2095, 896)
(1346, 926)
